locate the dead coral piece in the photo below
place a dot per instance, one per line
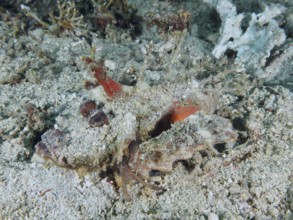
(103, 19)
(117, 13)
(169, 22)
(254, 44)
(14, 25)
(68, 20)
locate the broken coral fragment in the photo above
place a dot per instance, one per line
(254, 44)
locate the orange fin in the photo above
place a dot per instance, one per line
(180, 112)
(111, 87)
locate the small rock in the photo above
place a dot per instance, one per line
(213, 216)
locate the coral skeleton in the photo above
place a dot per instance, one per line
(67, 20)
(254, 44)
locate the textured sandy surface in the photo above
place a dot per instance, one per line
(42, 87)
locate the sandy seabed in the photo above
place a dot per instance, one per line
(43, 82)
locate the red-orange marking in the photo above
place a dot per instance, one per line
(180, 112)
(111, 87)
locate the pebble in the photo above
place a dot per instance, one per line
(213, 216)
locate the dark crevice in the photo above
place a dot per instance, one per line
(255, 6)
(220, 147)
(37, 138)
(203, 154)
(163, 124)
(208, 21)
(240, 98)
(189, 166)
(239, 124)
(245, 22)
(109, 173)
(273, 55)
(242, 138)
(154, 173)
(231, 54)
